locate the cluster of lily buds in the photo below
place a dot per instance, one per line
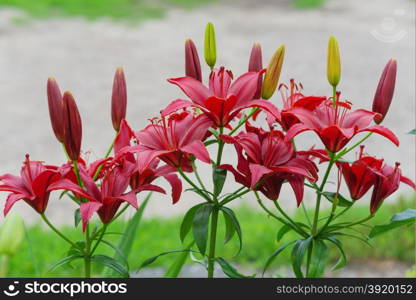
(171, 144)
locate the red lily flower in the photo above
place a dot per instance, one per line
(173, 140)
(336, 126)
(386, 183)
(223, 100)
(268, 162)
(104, 198)
(141, 177)
(32, 185)
(360, 175)
(294, 99)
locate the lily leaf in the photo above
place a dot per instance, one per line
(112, 264)
(229, 270)
(342, 201)
(318, 259)
(188, 220)
(406, 217)
(235, 223)
(200, 226)
(298, 252)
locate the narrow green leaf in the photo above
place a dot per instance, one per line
(200, 226)
(229, 228)
(400, 219)
(65, 261)
(298, 252)
(413, 131)
(342, 201)
(236, 224)
(275, 254)
(318, 259)
(187, 221)
(343, 259)
(175, 269)
(229, 270)
(118, 251)
(154, 258)
(130, 233)
(111, 263)
(77, 217)
(282, 231)
(78, 250)
(218, 178)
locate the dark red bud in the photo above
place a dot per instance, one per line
(256, 65)
(72, 126)
(55, 105)
(385, 90)
(192, 64)
(118, 99)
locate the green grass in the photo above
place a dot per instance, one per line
(93, 9)
(158, 235)
(308, 4)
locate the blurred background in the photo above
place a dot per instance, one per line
(81, 42)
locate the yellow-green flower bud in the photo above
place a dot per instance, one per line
(11, 234)
(334, 62)
(210, 49)
(274, 68)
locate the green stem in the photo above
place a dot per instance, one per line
(99, 239)
(334, 95)
(234, 196)
(220, 148)
(46, 220)
(213, 239)
(198, 178)
(276, 217)
(306, 213)
(87, 255)
(289, 219)
(181, 172)
(345, 151)
(254, 110)
(76, 171)
(319, 196)
(107, 154)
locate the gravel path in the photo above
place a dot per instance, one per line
(83, 55)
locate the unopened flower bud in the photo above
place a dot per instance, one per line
(73, 126)
(192, 64)
(11, 234)
(210, 49)
(55, 105)
(256, 65)
(274, 68)
(333, 70)
(385, 90)
(118, 99)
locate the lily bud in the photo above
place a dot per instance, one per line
(256, 65)
(333, 71)
(385, 90)
(11, 234)
(210, 49)
(192, 64)
(274, 68)
(73, 126)
(55, 108)
(118, 99)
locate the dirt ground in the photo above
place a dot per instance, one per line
(83, 55)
